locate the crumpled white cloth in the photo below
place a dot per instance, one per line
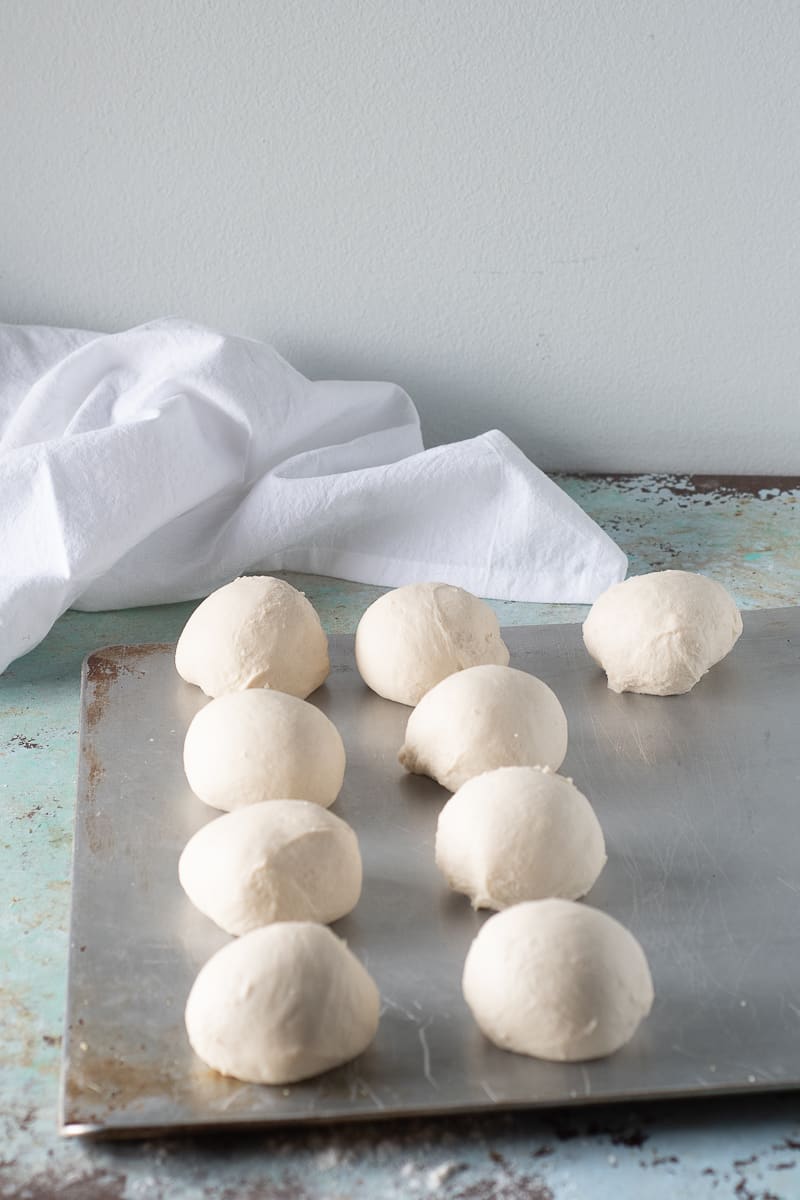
(157, 464)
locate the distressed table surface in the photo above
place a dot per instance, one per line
(745, 533)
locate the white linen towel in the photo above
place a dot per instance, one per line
(159, 463)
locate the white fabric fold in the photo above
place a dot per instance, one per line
(157, 464)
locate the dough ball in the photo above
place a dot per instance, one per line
(482, 718)
(284, 860)
(557, 980)
(519, 833)
(660, 633)
(256, 632)
(257, 745)
(280, 1004)
(412, 638)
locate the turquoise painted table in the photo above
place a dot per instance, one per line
(744, 533)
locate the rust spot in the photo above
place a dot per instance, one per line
(118, 1082)
(25, 742)
(96, 824)
(99, 668)
(101, 681)
(95, 770)
(99, 830)
(50, 1039)
(104, 667)
(107, 663)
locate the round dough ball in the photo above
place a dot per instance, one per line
(557, 980)
(283, 860)
(257, 632)
(660, 633)
(280, 1004)
(519, 833)
(412, 638)
(257, 745)
(482, 718)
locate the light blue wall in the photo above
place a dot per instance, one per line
(577, 221)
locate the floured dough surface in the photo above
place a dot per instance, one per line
(281, 1004)
(660, 633)
(256, 632)
(415, 636)
(257, 745)
(557, 980)
(482, 718)
(282, 860)
(519, 833)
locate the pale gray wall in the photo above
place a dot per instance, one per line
(577, 221)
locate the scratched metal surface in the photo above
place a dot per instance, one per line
(697, 797)
(745, 533)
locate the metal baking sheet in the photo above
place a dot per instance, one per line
(699, 797)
